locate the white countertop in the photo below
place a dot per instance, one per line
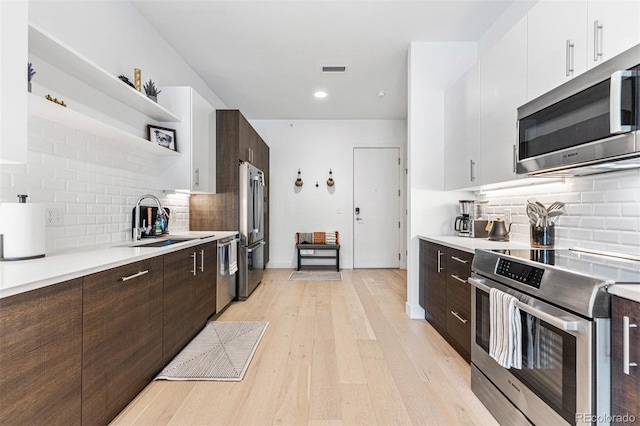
(628, 291)
(471, 244)
(25, 275)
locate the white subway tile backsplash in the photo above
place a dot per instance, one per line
(93, 180)
(602, 211)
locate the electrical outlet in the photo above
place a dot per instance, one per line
(55, 216)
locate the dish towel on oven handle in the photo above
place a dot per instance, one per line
(233, 257)
(505, 331)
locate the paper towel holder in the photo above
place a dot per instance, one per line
(22, 199)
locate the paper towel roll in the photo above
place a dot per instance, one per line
(23, 228)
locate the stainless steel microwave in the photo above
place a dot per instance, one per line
(590, 124)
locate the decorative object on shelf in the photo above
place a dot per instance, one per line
(299, 180)
(330, 181)
(137, 79)
(543, 220)
(162, 136)
(56, 100)
(151, 90)
(30, 73)
(126, 81)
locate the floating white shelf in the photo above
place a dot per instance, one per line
(46, 109)
(63, 57)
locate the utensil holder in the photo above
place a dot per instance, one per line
(542, 236)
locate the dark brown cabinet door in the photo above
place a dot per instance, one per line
(436, 286)
(626, 387)
(205, 285)
(122, 337)
(41, 356)
(180, 269)
(459, 301)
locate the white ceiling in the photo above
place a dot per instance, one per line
(264, 57)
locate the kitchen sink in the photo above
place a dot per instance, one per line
(163, 243)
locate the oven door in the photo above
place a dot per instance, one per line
(555, 382)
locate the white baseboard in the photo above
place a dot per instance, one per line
(414, 311)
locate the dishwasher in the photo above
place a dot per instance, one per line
(226, 287)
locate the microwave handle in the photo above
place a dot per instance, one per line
(615, 103)
(549, 319)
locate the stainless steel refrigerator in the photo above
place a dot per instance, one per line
(251, 246)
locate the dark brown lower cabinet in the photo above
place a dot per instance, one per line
(625, 399)
(122, 337)
(179, 297)
(459, 301)
(445, 293)
(41, 356)
(205, 287)
(189, 295)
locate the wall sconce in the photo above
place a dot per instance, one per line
(299, 180)
(330, 181)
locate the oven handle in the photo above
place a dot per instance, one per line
(550, 319)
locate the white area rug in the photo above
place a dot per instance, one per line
(315, 276)
(221, 351)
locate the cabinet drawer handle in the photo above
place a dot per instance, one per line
(455, 314)
(455, 277)
(459, 260)
(130, 277)
(195, 261)
(439, 261)
(201, 260)
(626, 328)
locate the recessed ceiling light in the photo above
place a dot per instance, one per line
(381, 94)
(320, 94)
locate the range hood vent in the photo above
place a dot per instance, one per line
(334, 69)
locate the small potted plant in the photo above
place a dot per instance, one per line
(151, 90)
(30, 73)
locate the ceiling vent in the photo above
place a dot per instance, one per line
(334, 69)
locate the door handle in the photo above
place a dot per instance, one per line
(202, 260)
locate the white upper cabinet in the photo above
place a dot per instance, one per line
(14, 16)
(503, 88)
(557, 44)
(613, 26)
(461, 131)
(195, 170)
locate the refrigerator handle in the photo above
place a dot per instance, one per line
(256, 205)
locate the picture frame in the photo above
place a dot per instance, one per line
(163, 136)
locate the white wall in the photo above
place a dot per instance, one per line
(432, 67)
(314, 147)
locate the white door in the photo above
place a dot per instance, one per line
(377, 204)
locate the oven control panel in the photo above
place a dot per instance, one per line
(522, 273)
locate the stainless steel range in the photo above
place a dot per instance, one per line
(564, 334)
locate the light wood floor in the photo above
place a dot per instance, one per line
(334, 353)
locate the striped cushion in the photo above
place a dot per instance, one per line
(317, 237)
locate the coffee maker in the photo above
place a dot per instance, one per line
(464, 223)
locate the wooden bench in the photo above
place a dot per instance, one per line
(309, 241)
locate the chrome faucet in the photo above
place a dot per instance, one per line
(137, 231)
